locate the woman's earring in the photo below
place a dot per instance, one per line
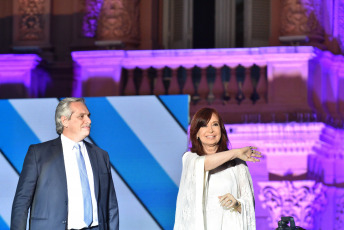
(198, 139)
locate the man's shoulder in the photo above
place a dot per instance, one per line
(48, 143)
(93, 146)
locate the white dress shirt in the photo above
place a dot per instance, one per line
(75, 198)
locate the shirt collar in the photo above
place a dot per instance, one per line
(69, 143)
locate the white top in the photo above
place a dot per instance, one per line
(198, 205)
(75, 199)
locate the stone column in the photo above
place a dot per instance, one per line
(224, 23)
(325, 84)
(97, 73)
(17, 75)
(328, 161)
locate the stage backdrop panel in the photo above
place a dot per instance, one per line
(145, 137)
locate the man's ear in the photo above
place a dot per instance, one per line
(64, 121)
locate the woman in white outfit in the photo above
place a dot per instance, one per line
(216, 189)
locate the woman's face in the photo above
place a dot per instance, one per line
(210, 134)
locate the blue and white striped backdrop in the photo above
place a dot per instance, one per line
(145, 137)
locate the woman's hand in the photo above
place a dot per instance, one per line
(249, 154)
(228, 201)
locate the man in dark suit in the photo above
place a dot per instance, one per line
(66, 183)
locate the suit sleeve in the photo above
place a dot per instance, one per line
(25, 191)
(113, 205)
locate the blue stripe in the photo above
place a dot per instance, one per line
(3, 225)
(15, 135)
(178, 105)
(133, 161)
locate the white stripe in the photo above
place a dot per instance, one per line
(39, 115)
(131, 213)
(8, 181)
(157, 130)
(127, 204)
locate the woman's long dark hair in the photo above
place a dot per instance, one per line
(201, 119)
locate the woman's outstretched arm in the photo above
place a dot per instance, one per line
(246, 154)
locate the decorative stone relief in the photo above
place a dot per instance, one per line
(339, 216)
(91, 14)
(299, 199)
(119, 20)
(302, 17)
(31, 24)
(340, 25)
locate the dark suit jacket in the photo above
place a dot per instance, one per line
(42, 187)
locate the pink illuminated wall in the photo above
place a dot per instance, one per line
(16, 75)
(301, 174)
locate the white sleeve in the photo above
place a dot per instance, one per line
(189, 210)
(246, 197)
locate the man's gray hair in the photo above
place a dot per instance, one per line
(63, 109)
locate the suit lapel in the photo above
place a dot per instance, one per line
(57, 151)
(92, 154)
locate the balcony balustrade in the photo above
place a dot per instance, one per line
(246, 85)
(264, 84)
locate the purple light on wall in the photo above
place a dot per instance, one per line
(190, 57)
(16, 68)
(308, 158)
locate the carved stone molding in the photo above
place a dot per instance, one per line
(300, 199)
(302, 17)
(119, 20)
(31, 22)
(328, 161)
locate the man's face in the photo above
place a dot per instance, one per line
(78, 126)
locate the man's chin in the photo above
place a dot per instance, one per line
(86, 134)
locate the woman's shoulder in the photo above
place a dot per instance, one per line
(189, 153)
(190, 156)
